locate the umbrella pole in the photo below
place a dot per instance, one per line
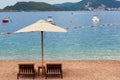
(42, 47)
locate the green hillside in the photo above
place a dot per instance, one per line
(32, 6)
(82, 5)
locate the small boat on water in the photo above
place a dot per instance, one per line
(5, 20)
(95, 18)
(50, 20)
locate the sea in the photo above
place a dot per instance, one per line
(84, 39)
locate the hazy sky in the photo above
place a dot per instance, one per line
(4, 3)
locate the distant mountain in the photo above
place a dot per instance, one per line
(82, 5)
(32, 6)
(98, 3)
(91, 4)
(66, 5)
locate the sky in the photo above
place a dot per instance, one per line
(4, 3)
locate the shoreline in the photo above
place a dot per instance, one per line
(72, 69)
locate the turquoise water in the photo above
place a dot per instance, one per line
(83, 41)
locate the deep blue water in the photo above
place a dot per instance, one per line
(83, 41)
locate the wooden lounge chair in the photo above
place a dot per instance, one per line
(26, 70)
(54, 70)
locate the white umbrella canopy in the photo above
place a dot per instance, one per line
(41, 26)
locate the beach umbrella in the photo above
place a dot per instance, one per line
(41, 26)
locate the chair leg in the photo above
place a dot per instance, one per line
(18, 76)
(33, 76)
(46, 77)
(61, 76)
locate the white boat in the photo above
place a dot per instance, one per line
(50, 20)
(95, 19)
